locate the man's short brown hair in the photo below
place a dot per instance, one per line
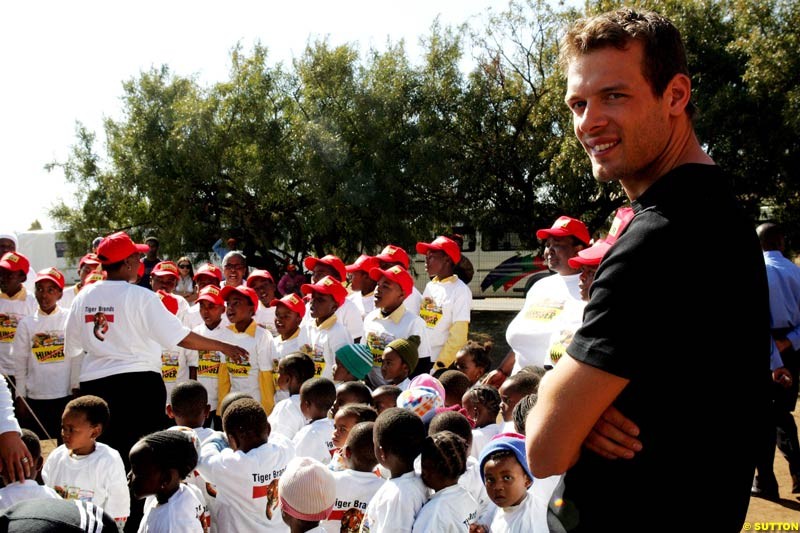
(664, 52)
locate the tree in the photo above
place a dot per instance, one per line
(35, 225)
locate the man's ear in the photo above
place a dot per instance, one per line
(678, 93)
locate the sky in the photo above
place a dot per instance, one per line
(65, 62)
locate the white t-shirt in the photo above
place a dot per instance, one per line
(364, 302)
(68, 295)
(298, 342)
(323, 341)
(8, 422)
(395, 506)
(244, 375)
(174, 367)
(472, 482)
(182, 513)
(265, 318)
(444, 303)
(208, 362)
(354, 490)
(26, 490)
(98, 477)
(11, 312)
(315, 440)
(529, 332)
(380, 330)
(42, 371)
(482, 436)
(527, 517)
(122, 327)
(564, 329)
(286, 418)
(247, 485)
(450, 510)
(347, 314)
(413, 302)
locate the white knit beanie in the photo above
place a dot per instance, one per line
(307, 489)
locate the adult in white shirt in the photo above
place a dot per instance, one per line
(123, 328)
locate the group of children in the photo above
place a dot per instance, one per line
(351, 408)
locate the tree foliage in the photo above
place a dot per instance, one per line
(344, 151)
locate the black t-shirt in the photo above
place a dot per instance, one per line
(679, 307)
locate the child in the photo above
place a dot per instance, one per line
(385, 397)
(207, 275)
(290, 337)
(175, 360)
(357, 483)
(208, 362)
(474, 360)
(362, 285)
(263, 283)
(521, 410)
(511, 391)
(399, 360)
(347, 313)
(307, 493)
(455, 384)
(392, 256)
(504, 469)
(343, 421)
(252, 374)
(45, 378)
(451, 508)
(391, 320)
(84, 469)
(246, 474)
(482, 405)
(353, 363)
(397, 439)
(324, 332)
(160, 462)
(422, 401)
(164, 277)
(287, 417)
(446, 301)
(314, 439)
(350, 392)
(29, 489)
(15, 303)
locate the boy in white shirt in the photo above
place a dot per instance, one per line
(362, 285)
(253, 373)
(323, 330)
(84, 469)
(45, 377)
(165, 277)
(314, 440)
(446, 302)
(347, 312)
(263, 283)
(15, 303)
(207, 274)
(397, 437)
(27, 489)
(391, 256)
(246, 474)
(287, 417)
(174, 360)
(357, 483)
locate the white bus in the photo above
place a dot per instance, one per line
(45, 249)
(503, 266)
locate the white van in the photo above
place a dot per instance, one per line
(47, 248)
(503, 266)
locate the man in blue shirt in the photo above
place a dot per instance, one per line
(783, 278)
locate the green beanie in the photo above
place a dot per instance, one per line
(407, 349)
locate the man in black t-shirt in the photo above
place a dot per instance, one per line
(654, 412)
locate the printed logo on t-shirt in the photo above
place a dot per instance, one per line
(559, 347)
(318, 356)
(48, 347)
(169, 366)
(239, 370)
(349, 514)
(544, 310)
(376, 344)
(208, 364)
(270, 490)
(101, 316)
(430, 312)
(8, 326)
(74, 493)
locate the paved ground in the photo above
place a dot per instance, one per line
(497, 304)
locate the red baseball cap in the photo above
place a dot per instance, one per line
(211, 270)
(165, 268)
(330, 260)
(88, 259)
(364, 263)
(53, 274)
(621, 220)
(264, 274)
(211, 293)
(327, 285)
(594, 254)
(393, 254)
(293, 302)
(241, 289)
(118, 247)
(444, 244)
(396, 274)
(15, 261)
(169, 301)
(564, 226)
